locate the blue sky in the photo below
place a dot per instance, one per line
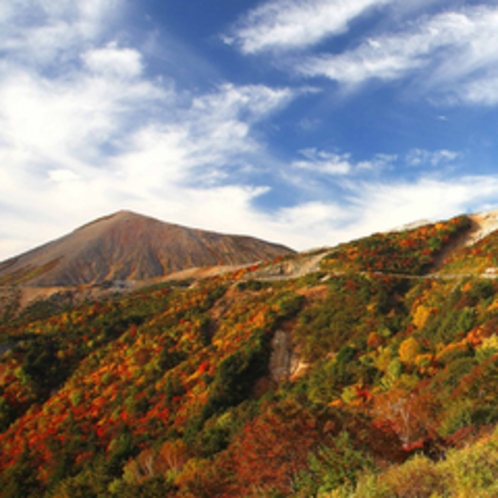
(303, 122)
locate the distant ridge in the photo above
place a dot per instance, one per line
(129, 246)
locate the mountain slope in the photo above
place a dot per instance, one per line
(263, 382)
(128, 246)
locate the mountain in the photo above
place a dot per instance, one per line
(128, 246)
(366, 369)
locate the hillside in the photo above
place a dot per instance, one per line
(127, 246)
(360, 370)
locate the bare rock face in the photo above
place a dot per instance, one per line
(284, 361)
(126, 246)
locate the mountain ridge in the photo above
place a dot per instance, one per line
(128, 246)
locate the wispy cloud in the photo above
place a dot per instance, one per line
(324, 162)
(329, 163)
(382, 206)
(200, 139)
(421, 157)
(49, 33)
(482, 91)
(294, 24)
(378, 163)
(453, 50)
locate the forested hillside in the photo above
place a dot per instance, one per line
(375, 376)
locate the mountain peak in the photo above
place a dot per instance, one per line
(118, 216)
(129, 246)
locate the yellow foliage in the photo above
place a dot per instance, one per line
(372, 307)
(192, 470)
(349, 394)
(420, 316)
(490, 343)
(451, 349)
(423, 362)
(409, 349)
(471, 471)
(493, 305)
(487, 348)
(383, 359)
(172, 456)
(259, 319)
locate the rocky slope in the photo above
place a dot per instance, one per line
(127, 246)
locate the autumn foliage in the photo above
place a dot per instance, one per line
(168, 391)
(408, 252)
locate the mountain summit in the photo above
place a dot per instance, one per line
(129, 246)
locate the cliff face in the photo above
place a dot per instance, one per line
(128, 246)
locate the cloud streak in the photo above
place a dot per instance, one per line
(295, 24)
(324, 162)
(382, 206)
(420, 157)
(49, 33)
(452, 50)
(332, 164)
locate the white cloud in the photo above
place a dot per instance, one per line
(291, 24)
(376, 207)
(385, 206)
(111, 60)
(44, 32)
(312, 224)
(327, 163)
(153, 166)
(421, 157)
(63, 175)
(453, 50)
(481, 91)
(202, 136)
(219, 123)
(392, 56)
(6, 10)
(67, 120)
(378, 163)
(324, 162)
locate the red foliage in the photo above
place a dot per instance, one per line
(203, 367)
(272, 449)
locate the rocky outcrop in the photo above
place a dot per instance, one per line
(285, 362)
(292, 267)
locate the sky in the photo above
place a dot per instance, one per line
(304, 122)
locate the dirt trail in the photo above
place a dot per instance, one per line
(296, 267)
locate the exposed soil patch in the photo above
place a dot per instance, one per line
(313, 294)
